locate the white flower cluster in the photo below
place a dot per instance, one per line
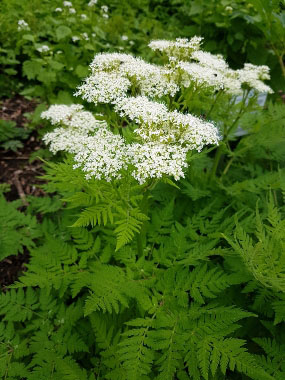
(92, 3)
(199, 76)
(142, 110)
(43, 49)
(162, 137)
(103, 87)
(159, 125)
(73, 117)
(194, 67)
(122, 72)
(181, 48)
(99, 152)
(23, 25)
(102, 154)
(154, 160)
(210, 60)
(104, 10)
(253, 76)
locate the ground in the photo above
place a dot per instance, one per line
(20, 174)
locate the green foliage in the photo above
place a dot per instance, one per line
(239, 30)
(177, 311)
(264, 255)
(274, 362)
(107, 203)
(17, 230)
(161, 281)
(10, 136)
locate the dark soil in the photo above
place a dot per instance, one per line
(20, 174)
(15, 168)
(11, 268)
(15, 108)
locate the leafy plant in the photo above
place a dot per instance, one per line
(17, 230)
(11, 136)
(169, 270)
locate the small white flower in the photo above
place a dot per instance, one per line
(124, 37)
(131, 42)
(92, 2)
(75, 38)
(105, 15)
(93, 35)
(104, 8)
(83, 16)
(67, 4)
(85, 36)
(23, 25)
(72, 10)
(43, 49)
(58, 10)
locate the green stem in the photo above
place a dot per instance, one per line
(214, 103)
(192, 93)
(228, 166)
(226, 133)
(216, 162)
(280, 57)
(140, 244)
(239, 115)
(141, 236)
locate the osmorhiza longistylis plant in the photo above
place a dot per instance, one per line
(154, 116)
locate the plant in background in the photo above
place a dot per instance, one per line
(245, 31)
(11, 136)
(17, 229)
(49, 48)
(242, 30)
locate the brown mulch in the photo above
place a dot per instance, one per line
(15, 168)
(11, 268)
(20, 174)
(13, 109)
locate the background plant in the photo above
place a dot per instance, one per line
(241, 31)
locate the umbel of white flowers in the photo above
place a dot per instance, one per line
(162, 138)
